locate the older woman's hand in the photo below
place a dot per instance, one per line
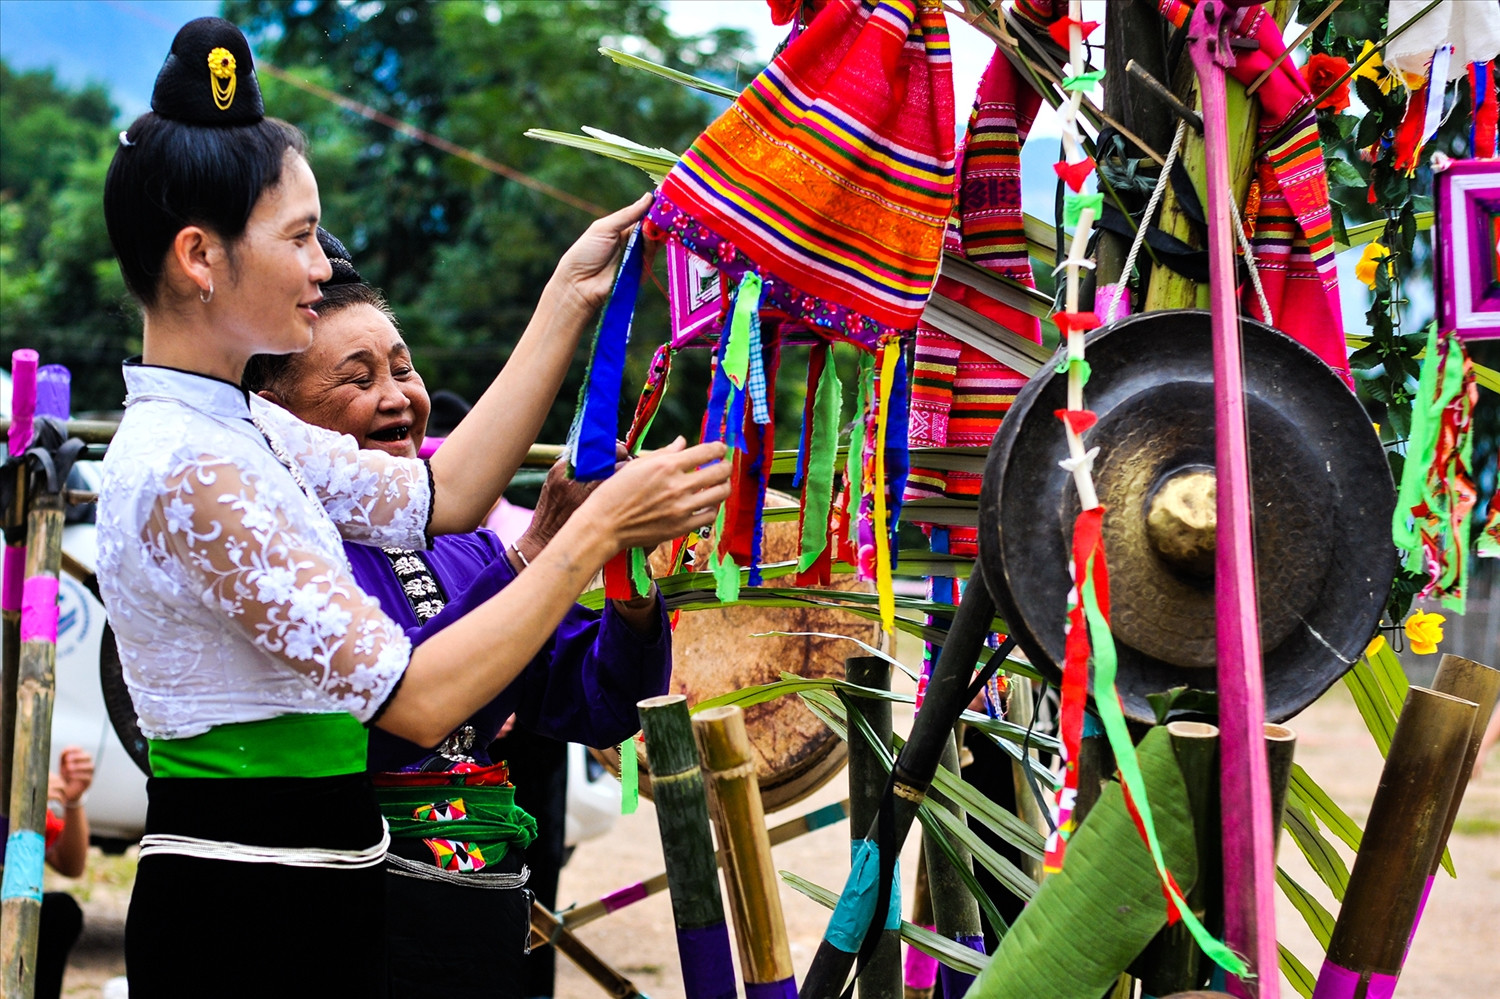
(589, 265)
(561, 495)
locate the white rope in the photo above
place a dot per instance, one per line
(1239, 232)
(287, 856)
(1140, 233)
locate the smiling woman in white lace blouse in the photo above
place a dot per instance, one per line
(254, 660)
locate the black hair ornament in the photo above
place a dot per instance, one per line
(209, 77)
(339, 259)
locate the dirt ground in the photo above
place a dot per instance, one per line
(1453, 950)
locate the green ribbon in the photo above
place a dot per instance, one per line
(1084, 371)
(726, 574)
(737, 351)
(1074, 204)
(854, 462)
(1107, 703)
(1083, 81)
(822, 455)
(630, 778)
(640, 575)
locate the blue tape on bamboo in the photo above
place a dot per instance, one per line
(856, 905)
(825, 816)
(24, 850)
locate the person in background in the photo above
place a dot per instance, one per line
(67, 843)
(357, 379)
(1486, 743)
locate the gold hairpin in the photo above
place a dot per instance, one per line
(221, 77)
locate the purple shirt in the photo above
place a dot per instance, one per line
(581, 687)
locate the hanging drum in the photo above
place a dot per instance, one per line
(713, 652)
(1322, 499)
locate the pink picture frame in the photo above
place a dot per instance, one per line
(695, 298)
(1467, 248)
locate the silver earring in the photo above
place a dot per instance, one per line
(206, 298)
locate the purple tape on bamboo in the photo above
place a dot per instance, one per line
(707, 968)
(784, 989)
(921, 969)
(39, 610)
(956, 983)
(622, 897)
(15, 577)
(22, 398)
(1421, 907)
(1335, 982)
(54, 394)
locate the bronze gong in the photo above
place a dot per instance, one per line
(1322, 498)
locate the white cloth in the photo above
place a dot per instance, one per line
(226, 583)
(1472, 27)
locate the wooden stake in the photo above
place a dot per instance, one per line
(688, 848)
(21, 905)
(955, 911)
(740, 822)
(1027, 806)
(1400, 842)
(881, 978)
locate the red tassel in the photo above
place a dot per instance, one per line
(1074, 174)
(1409, 133)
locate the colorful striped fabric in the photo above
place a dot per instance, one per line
(959, 393)
(832, 175)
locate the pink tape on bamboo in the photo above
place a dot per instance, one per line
(921, 969)
(15, 577)
(22, 398)
(621, 897)
(1335, 982)
(39, 610)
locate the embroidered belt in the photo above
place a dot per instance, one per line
(311, 745)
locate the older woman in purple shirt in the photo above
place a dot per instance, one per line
(457, 914)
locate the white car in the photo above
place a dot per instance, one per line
(86, 681)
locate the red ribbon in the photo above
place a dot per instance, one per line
(1078, 420)
(1074, 174)
(1059, 31)
(1068, 322)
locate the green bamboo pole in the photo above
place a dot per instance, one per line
(688, 848)
(740, 822)
(1173, 961)
(1019, 710)
(21, 908)
(1281, 746)
(955, 910)
(881, 977)
(1401, 838)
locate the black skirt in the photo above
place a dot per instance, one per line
(228, 928)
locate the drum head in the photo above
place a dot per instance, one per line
(714, 652)
(1322, 498)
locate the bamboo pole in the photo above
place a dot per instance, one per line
(547, 925)
(21, 896)
(18, 431)
(740, 822)
(1281, 746)
(1168, 289)
(1020, 710)
(955, 911)
(1173, 961)
(921, 969)
(1401, 839)
(1472, 681)
(688, 849)
(881, 977)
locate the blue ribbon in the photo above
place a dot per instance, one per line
(596, 423)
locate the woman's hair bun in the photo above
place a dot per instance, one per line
(339, 259)
(209, 77)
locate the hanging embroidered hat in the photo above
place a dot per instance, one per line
(820, 197)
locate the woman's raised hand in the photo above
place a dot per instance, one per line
(589, 265)
(662, 494)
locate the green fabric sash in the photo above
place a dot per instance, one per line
(491, 821)
(321, 745)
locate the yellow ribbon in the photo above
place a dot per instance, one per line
(885, 592)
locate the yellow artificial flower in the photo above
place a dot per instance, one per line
(1424, 631)
(1369, 261)
(1375, 70)
(1376, 644)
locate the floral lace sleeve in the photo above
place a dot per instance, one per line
(374, 498)
(275, 586)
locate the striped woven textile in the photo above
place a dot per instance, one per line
(832, 174)
(959, 393)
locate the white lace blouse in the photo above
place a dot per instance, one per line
(225, 579)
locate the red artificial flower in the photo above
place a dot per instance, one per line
(1320, 72)
(785, 11)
